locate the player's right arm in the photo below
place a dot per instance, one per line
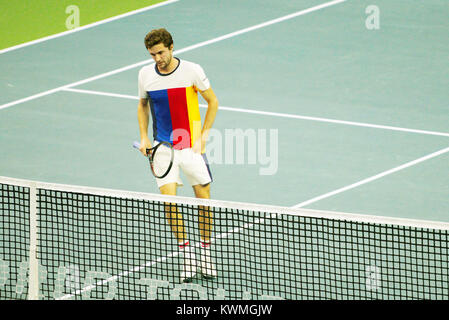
(143, 111)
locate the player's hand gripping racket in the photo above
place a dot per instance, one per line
(161, 158)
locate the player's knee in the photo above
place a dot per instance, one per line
(168, 189)
(202, 191)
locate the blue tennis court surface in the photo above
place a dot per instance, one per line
(358, 117)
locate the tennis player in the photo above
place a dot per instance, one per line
(169, 90)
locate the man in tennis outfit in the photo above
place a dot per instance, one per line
(169, 90)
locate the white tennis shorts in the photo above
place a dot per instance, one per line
(194, 166)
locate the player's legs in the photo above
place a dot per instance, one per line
(205, 222)
(176, 223)
(196, 169)
(205, 219)
(174, 218)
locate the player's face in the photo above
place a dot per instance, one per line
(161, 55)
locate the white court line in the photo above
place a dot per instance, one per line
(88, 26)
(48, 92)
(277, 114)
(198, 45)
(370, 179)
(262, 25)
(101, 93)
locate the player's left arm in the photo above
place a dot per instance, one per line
(212, 108)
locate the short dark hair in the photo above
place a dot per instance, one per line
(157, 36)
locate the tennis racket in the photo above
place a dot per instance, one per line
(161, 158)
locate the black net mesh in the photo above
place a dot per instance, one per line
(111, 247)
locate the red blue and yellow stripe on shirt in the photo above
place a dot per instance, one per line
(176, 116)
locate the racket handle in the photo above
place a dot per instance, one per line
(136, 145)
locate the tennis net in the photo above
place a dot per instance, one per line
(70, 242)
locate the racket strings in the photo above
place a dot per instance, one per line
(161, 160)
